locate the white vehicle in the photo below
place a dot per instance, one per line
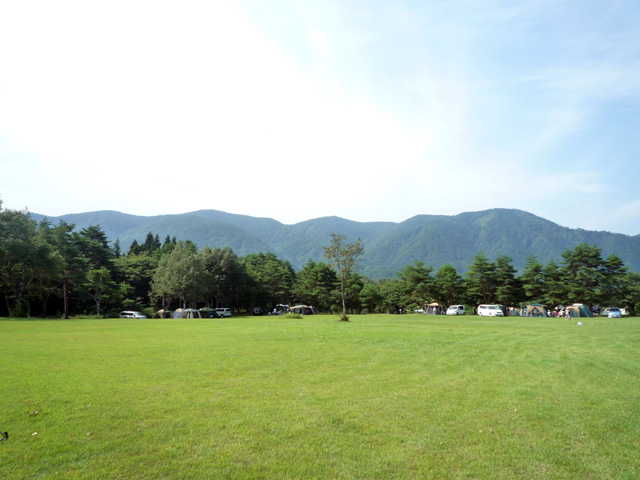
(456, 310)
(223, 312)
(614, 312)
(490, 311)
(131, 314)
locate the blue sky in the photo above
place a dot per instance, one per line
(297, 109)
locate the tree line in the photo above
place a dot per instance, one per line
(54, 270)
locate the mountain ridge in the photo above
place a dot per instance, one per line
(389, 246)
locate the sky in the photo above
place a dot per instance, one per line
(373, 110)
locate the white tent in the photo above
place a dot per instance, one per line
(434, 309)
(190, 313)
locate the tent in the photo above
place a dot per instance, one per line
(208, 313)
(162, 314)
(434, 309)
(578, 310)
(190, 313)
(304, 310)
(536, 310)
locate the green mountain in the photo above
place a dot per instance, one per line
(433, 239)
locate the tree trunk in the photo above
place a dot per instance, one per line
(65, 286)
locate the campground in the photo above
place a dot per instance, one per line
(382, 396)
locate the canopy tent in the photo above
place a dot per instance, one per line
(186, 313)
(281, 309)
(536, 310)
(304, 310)
(578, 310)
(434, 309)
(162, 314)
(208, 313)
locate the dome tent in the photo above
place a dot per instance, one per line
(579, 310)
(434, 309)
(304, 310)
(162, 314)
(208, 313)
(186, 313)
(536, 310)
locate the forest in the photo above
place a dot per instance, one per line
(55, 271)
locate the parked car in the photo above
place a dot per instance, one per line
(490, 311)
(456, 310)
(223, 312)
(614, 312)
(131, 314)
(259, 311)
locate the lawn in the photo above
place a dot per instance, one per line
(383, 396)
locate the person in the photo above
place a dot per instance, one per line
(568, 314)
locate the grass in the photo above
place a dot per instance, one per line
(379, 397)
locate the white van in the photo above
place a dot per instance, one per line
(131, 314)
(490, 311)
(223, 312)
(456, 310)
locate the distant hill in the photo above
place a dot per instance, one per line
(433, 239)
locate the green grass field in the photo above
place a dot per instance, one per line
(383, 396)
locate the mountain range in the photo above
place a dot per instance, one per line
(389, 246)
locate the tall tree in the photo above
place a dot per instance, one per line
(343, 257)
(554, 291)
(449, 285)
(612, 286)
(137, 271)
(273, 276)
(47, 283)
(509, 288)
(94, 245)
(481, 279)
(315, 285)
(74, 263)
(418, 283)
(181, 274)
(582, 273)
(631, 297)
(392, 291)
(227, 282)
(533, 280)
(370, 296)
(101, 287)
(354, 283)
(23, 254)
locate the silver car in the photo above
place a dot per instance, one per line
(614, 312)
